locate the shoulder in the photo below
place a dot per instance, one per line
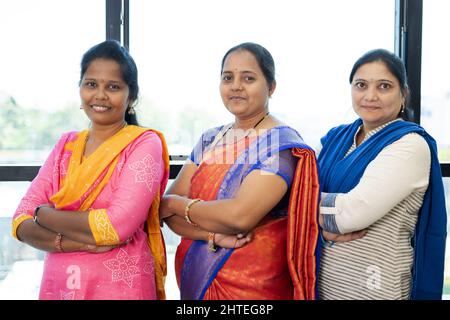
(212, 132)
(344, 128)
(209, 135)
(286, 136)
(340, 128)
(412, 147)
(148, 140)
(340, 133)
(412, 142)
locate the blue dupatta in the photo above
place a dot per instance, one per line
(340, 175)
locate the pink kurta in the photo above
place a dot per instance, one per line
(126, 272)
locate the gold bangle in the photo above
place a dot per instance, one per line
(186, 211)
(211, 244)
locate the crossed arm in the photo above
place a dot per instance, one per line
(125, 212)
(399, 170)
(256, 196)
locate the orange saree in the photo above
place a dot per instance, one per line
(280, 262)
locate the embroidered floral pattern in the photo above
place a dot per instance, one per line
(124, 267)
(146, 171)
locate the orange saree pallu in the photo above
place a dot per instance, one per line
(281, 260)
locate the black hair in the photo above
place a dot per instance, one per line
(395, 65)
(112, 50)
(262, 56)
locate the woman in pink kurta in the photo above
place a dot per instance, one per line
(95, 200)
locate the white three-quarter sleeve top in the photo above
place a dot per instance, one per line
(386, 202)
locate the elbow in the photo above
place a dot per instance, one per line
(240, 223)
(239, 227)
(352, 225)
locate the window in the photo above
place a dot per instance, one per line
(40, 72)
(178, 46)
(38, 102)
(435, 112)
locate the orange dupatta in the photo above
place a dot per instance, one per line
(82, 175)
(303, 228)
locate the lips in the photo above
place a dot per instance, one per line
(100, 108)
(371, 107)
(237, 98)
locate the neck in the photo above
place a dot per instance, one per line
(367, 127)
(251, 122)
(100, 133)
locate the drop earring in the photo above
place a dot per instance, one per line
(131, 110)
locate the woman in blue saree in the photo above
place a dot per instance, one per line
(256, 175)
(381, 174)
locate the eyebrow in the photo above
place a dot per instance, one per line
(245, 71)
(380, 80)
(108, 81)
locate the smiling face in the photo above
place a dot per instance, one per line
(104, 94)
(376, 95)
(243, 87)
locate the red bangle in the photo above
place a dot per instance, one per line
(58, 245)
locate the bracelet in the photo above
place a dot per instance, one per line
(35, 214)
(211, 244)
(58, 245)
(186, 211)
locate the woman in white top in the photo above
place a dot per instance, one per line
(382, 189)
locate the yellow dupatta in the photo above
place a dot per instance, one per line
(82, 176)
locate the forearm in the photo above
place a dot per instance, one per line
(186, 230)
(220, 216)
(72, 224)
(41, 238)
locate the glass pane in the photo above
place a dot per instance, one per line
(435, 113)
(20, 264)
(40, 72)
(178, 46)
